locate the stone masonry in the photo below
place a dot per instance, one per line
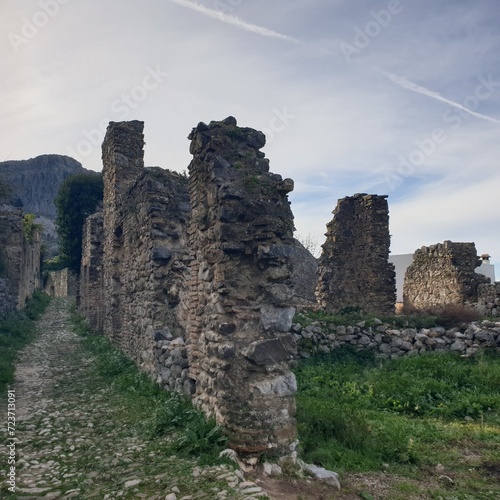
(144, 257)
(240, 289)
(20, 260)
(354, 270)
(442, 274)
(91, 296)
(61, 283)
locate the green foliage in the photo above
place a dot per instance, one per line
(78, 197)
(356, 414)
(159, 413)
(17, 330)
(30, 227)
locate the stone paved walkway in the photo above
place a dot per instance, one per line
(72, 441)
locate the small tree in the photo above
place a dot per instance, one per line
(30, 227)
(78, 197)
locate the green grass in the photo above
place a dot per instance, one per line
(358, 414)
(17, 329)
(151, 409)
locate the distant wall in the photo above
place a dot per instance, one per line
(91, 296)
(20, 260)
(443, 274)
(61, 283)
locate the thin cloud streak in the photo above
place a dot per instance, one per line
(235, 21)
(408, 85)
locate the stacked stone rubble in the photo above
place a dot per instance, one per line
(240, 289)
(20, 260)
(354, 270)
(443, 274)
(386, 341)
(91, 296)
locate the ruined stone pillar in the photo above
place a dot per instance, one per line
(91, 273)
(240, 290)
(123, 160)
(442, 274)
(354, 270)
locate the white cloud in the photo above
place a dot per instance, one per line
(234, 21)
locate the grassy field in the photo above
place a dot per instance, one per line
(16, 331)
(432, 422)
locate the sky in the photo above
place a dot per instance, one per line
(390, 97)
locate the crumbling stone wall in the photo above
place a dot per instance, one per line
(123, 159)
(61, 283)
(354, 270)
(91, 296)
(135, 259)
(442, 274)
(20, 260)
(240, 289)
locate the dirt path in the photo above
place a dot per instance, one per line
(71, 439)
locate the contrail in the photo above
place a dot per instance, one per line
(235, 21)
(407, 84)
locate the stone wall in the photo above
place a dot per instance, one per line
(442, 274)
(353, 269)
(135, 259)
(91, 294)
(20, 259)
(61, 283)
(240, 289)
(488, 299)
(390, 342)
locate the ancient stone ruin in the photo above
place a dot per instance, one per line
(241, 238)
(91, 296)
(443, 274)
(19, 260)
(354, 270)
(196, 285)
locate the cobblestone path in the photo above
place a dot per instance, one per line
(72, 440)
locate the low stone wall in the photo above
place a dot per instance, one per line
(390, 342)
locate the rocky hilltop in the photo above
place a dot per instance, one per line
(36, 181)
